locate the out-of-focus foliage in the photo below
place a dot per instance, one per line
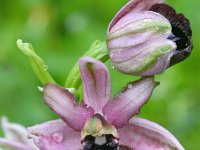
(61, 31)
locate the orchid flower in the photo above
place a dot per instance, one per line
(147, 36)
(15, 136)
(100, 122)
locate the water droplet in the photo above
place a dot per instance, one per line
(137, 112)
(57, 137)
(111, 66)
(46, 67)
(111, 55)
(130, 86)
(74, 78)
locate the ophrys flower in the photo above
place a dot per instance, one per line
(100, 122)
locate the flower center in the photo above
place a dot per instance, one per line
(181, 31)
(105, 142)
(98, 134)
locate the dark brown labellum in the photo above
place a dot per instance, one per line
(108, 142)
(181, 32)
(122, 147)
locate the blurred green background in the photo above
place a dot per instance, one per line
(61, 31)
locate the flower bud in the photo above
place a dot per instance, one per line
(146, 37)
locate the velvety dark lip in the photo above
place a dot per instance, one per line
(178, 21)
(181, 32)
(110, 144)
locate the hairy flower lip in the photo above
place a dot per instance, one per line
(176, 19)
(181, 31)
(98, 126)
(99, 134)
(106, 142)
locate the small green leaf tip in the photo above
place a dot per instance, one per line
(36, 62)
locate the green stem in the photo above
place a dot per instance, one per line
(99, 51)
(36, 62)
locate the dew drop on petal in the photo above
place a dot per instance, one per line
(137, 112)
(111, 55)
(111, 66)
(57, 137)
(130, 86)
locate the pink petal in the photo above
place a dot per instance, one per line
(144, 60)
(96, 83)
(133, 6)
(14, 145)
(128, 102)
(61, 101)
(137, 28)
(141, 134)
(15, 136)
(55, 135)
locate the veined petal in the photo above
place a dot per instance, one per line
(61, 101)
(15, 136)
(140, 22)
(96, 83)
(128, 102)
(14, 131)
(138, 44)
(141, 134)
(55, 135)
(133, 6)
(15, 145)
(146, 59)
